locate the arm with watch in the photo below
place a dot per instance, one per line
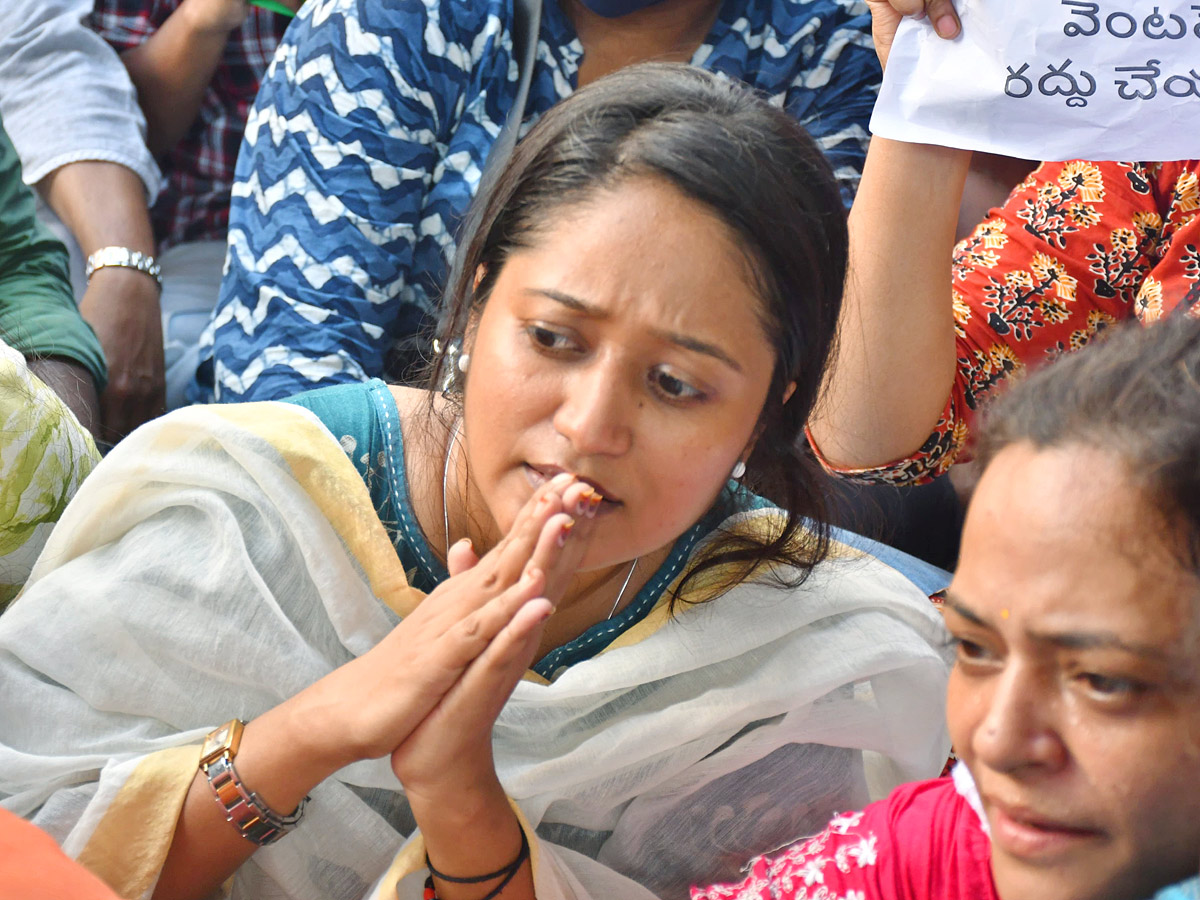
(348, 678)
(104, 206)
(426, 696)
(72, 114)
(37, 308)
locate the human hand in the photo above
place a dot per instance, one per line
(886, 16)
(489, 608)
(452, 749)
(122, 306)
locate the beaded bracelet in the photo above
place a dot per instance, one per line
(508, 873)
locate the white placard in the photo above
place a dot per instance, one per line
(1051, 80)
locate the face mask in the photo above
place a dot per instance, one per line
(612, 9)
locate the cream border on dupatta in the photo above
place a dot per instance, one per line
(129, 845)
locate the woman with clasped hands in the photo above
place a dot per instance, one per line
(365, 575)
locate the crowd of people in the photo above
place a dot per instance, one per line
(391, 511)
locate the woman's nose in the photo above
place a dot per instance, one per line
(1018, 730)
(596, 410)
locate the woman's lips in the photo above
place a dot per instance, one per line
(1030, 835)
(538, 475)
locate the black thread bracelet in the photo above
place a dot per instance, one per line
(508, 873)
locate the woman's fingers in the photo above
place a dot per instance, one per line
(886, 16)
(475, 580)
(484, 687)
(461, 557)
(508, 559)
(451, 746)
(943, 16)
(470, 636)
(548, 534)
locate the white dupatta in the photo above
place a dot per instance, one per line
(223, 558)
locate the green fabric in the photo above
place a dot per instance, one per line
(38, 315)
(44, 456)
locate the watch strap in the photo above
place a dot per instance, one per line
(256, 821)
(125, 258)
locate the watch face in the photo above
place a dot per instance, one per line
(223, 739)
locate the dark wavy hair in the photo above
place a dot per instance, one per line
(757, 171)
(1136, 393)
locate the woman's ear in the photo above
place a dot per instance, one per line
(788, 391)
(468, 340)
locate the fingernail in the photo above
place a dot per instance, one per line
(594, 502)
(562, 479)
(946, 27)
(585, 501)
(466, 541)
(565, 532)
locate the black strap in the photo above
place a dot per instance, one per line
(508, 872)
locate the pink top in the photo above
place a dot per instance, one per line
(924, 842)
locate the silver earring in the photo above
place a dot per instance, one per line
(451, 351)
(463, 361)
(738, 471)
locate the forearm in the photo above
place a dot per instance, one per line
(171, 71)
(74, 386)
(102, 203)
(896, 361)
(472, 833)
(281, 759)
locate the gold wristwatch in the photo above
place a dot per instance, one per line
(256, 821)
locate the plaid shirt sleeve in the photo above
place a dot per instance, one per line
(127, 23)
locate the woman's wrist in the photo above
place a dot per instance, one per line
(285, 753)
(468, 833)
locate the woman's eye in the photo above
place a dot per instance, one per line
(1110, 686)
(673, 387)
(548, 339)
(969, 651)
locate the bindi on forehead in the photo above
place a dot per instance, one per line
(1170, 648)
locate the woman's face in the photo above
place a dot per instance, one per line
(1074, 700)
(625, 347)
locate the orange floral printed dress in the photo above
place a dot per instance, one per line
(1077, 246)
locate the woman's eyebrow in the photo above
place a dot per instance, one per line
(682, 340)
(954, 604)
(1068, 640)
(1096, 640)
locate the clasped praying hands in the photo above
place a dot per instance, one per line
(459, 654)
